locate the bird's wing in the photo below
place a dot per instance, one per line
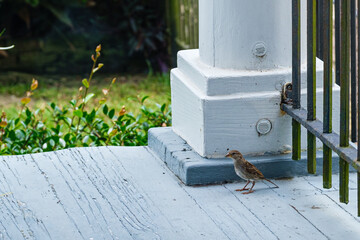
(253, 170)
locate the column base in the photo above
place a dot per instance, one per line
(215, 109)
(192, 169)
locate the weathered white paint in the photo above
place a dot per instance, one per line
(213, 81)
(222, 90)
(217, 109)
(229, 31)
(127, 193)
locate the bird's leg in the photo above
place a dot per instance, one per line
(250, 191)
(244, 188)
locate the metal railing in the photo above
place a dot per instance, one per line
(346, 69)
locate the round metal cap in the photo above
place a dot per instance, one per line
(259, 49)
(263, 126)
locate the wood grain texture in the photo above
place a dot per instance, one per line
(127, 193)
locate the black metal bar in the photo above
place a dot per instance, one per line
(311, 82)
(296, 57)
(337, 41)
(358, 191)
(353, 69)
(358, 110)
(349, 154)
(296, 77)
(327, 109)
(311, 60)
(344, 96)
(319, 27)
(327, 43)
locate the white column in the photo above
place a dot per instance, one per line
(243, 34)
(227, 94)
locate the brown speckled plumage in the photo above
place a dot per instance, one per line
(246, 170)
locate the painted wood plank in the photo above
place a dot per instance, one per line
(166, 191)
(275, 212)
(230, 214)
(320, 208)
(99, 193)
(127, 193)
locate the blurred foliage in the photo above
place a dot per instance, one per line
(76, 125)
(135, 28)
(5, 48)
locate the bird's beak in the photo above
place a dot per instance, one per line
(227, 155)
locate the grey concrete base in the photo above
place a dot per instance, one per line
(193, 169)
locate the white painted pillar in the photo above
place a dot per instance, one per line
(243, 34)
(227, 94)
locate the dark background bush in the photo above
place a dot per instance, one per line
(55, 36)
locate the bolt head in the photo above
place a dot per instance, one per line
(263, 126)
(259, 49)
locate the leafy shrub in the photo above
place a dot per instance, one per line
(75, 125)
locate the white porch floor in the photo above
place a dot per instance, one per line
(127, 193)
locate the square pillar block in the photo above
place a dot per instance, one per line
(215, 109)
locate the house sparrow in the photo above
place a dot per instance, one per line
(246, 170)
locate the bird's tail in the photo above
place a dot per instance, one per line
(271, 182)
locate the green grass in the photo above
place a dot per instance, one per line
(124, 92)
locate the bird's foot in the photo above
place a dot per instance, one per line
(251, 191)
(243, 189)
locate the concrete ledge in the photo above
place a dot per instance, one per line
(193, 169)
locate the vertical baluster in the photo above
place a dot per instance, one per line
(320, 28)
(358, 109)
(327, 55)
(353, 69)
(358, 184)
(344, 96)
(311, 82)
(296, 78)
(337, 41)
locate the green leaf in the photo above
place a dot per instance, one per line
(67, 137)
(78, 113)
(2, 32)
(56, 139)
(144, 98)
(20, 134)
(60, 14)
(73, 102)
(86, 139)
(111, 113)
(12, 135)
(105, 109)
(88, 97)
(52, 143)
(85, 83)
(33, 3)
(89, 118)
(163, 107)
(28, 113)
